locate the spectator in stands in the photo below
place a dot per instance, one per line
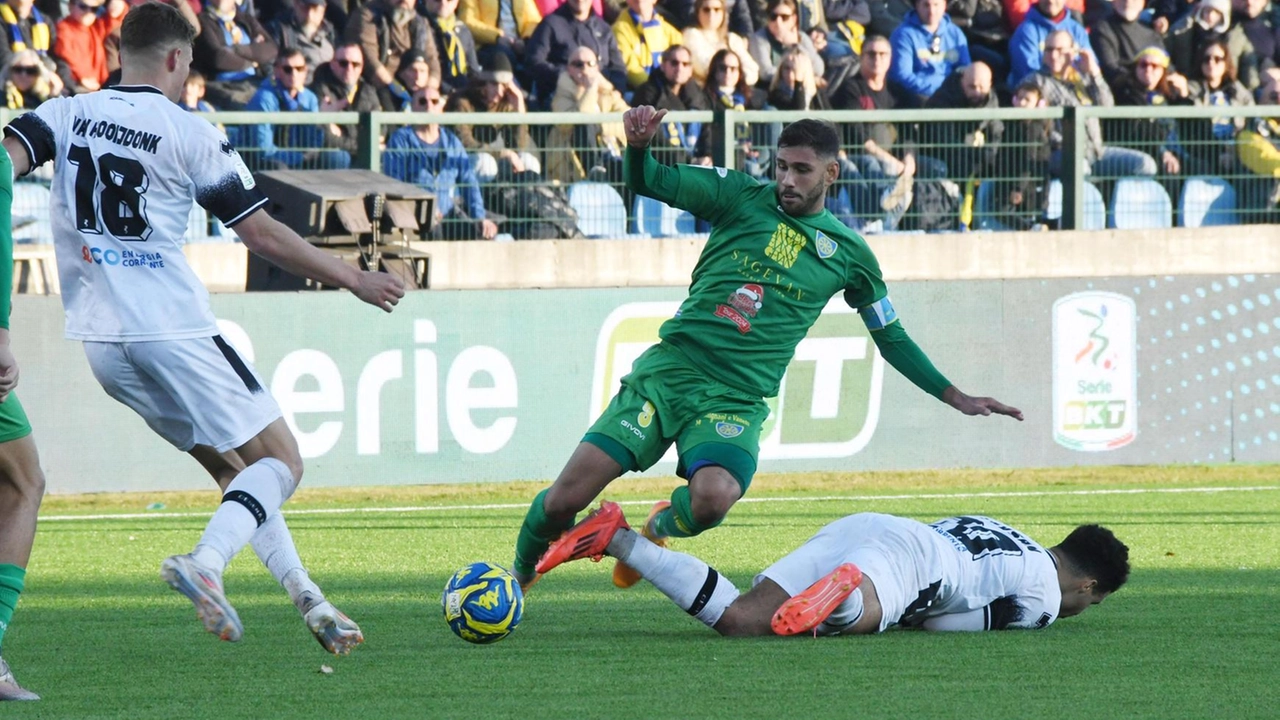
(738, 15)
(795, 87)
(1258, 147)
(1070, 77)
(1016, 11)
(1210, 144)
(283, 147)
(453, 40)
(26, 28)
(887, 15)
(709, 34)
(781, 32)
(434, 158)
(306, 29)
(847, 23)
(1259, 27)
(927, 49)
(81, 37)
(28, 81)
(232, 52)
(1208, 21)
(727, 88)
(340, 85)
(385, 30)
(498, 150)
(1151, 83)
(192, 99)
(671, 87)
(643, 35)
(1020, 199)
(572, 25)
(1167, 13)
(1120, 36)
(111, 45)
(500, 26)
(1027, 47)
(982, 22)
(579, 151)
(966, 148)
(413, 74)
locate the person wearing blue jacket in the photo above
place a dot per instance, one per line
(275, 147)
(1026, 47)
(927, 47)
(433, 157)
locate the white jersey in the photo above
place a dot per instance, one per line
(127, 164)
(960, 573)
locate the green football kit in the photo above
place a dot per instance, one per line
(761, 282)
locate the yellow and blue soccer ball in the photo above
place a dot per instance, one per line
(482, 603)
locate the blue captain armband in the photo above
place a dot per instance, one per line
(879, 314)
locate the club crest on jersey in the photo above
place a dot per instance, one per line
(728, 430)
(226, 148)
(825, 245)
(741, 306)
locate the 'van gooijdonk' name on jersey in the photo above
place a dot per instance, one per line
(127, 164)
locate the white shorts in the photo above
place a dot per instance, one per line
(897, 554)
(191, 392)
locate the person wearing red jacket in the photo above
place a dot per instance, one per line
(81, 35)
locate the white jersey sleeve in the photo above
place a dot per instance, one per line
(127, 164)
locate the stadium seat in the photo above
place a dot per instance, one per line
(1095, 210)
(659, 219)
(1207, 201)
(31, 207)
(1140, 203)
(601, 212)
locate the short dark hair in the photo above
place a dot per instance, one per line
(819, 135)
(154, 27)
(1094, 551)
(670, 53)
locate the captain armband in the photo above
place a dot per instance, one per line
(879, 314)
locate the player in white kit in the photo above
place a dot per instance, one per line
(128, 163)
(865, 573)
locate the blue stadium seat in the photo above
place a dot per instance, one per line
(1140, 203)
(1095, 210)
(601, 212)
(661, 220)
(1207, 201)
(31, 213)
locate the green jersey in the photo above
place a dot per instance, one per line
(763, 277)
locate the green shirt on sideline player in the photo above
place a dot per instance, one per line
(774, 259)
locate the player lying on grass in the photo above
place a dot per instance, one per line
(127, 164)
(865, 573)
(774, 259)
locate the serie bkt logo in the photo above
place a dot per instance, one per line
(829, 402)
(1095, 387)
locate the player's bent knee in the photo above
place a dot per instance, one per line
(712, 495)
(740, 621)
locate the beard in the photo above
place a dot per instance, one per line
(806, 204)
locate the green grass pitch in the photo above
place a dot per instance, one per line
(1194, 634)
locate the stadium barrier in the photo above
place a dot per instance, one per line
(499, 385)
(1002, 169)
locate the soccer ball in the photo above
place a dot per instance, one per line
(482, 603)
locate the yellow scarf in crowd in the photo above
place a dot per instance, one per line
(39, 30)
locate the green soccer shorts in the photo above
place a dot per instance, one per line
(666, 399)
(13, 420)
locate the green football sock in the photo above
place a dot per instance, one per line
(11, 583)
(677, 521)
(536, 535)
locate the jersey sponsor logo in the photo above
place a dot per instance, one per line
(122, 258)
(728, 430)
(742, 305)
(785, 245)
(246, 177)
(828, 405)
(825, 245)
(1095, 385)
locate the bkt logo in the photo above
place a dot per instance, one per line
(829, 402)
(1095, 386)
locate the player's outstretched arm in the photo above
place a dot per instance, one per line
(267, 237)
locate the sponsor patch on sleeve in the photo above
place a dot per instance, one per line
(879, 314)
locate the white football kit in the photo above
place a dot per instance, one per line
(960, 573)
(128, 163)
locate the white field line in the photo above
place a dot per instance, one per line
(816, 498)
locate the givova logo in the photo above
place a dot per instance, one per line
(1095, 385)
(829, 401)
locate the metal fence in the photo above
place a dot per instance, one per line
(900, 171)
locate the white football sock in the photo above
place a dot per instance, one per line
(255, 495)
(690, 583)
(845, 615)
(274, 545)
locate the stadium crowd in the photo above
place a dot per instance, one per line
(600, 56)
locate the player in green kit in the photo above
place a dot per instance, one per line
(21, 481)
(774, 259)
